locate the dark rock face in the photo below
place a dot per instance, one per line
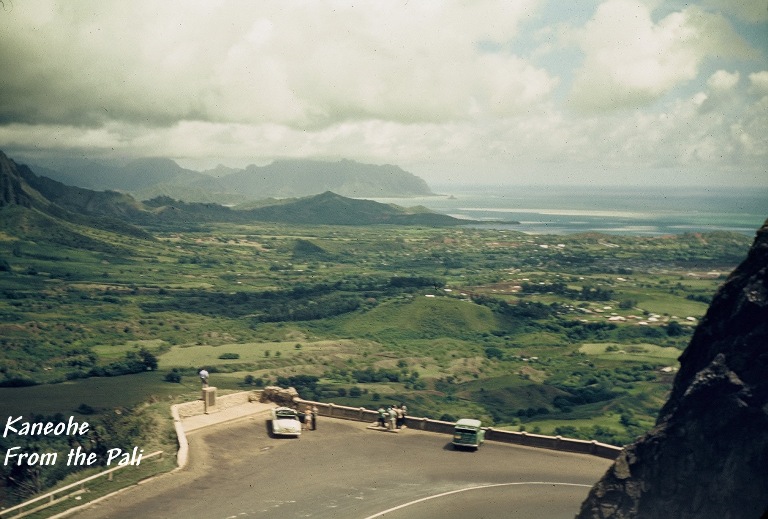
(12, 190)
(707, 456)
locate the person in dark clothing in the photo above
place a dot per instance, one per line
(404, 413)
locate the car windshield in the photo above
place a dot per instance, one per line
(286, 414)
(464, 431)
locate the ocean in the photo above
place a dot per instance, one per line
(640, 211)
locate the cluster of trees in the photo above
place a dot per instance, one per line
(589, 293)
(328, 305)
(597, 432)
(582, 395)
(133, 362)
(557, 287)
(369, 375)
(578, 331)
(531, 412)
(416, 282)
(302, 302)
(306, 385)
(82, 362)
(522, 310)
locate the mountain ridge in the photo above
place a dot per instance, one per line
(120, 212)
(149, 177)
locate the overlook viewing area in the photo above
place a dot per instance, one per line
(231, 465)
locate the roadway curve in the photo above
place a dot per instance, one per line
(344, 470)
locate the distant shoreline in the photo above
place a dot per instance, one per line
(646, 211)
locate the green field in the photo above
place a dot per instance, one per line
(455, 322)
(632, 352)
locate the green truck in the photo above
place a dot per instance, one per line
(468, 433)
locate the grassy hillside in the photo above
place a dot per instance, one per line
(516, 333)
(420, 317)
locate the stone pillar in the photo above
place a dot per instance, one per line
(209, 398)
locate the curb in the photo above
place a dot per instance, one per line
(182, 455)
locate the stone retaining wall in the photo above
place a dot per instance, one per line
(541, 441)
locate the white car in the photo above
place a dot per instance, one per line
(285, 422)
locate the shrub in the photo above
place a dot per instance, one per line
(85, 409)
(173, 376)
(493, 353)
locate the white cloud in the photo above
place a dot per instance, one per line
(303, 64)
(449, 89)
(723, 81)
(630, 60)
(759, 82)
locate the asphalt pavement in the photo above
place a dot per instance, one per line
(237, 469)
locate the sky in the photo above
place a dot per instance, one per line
(522, 92)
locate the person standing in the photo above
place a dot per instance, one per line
(382, 417)
(314, 417)
(392, 418)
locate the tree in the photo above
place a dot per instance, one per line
(148, 359)
(674, 329)
(493, 353)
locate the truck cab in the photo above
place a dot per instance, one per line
(468, 433)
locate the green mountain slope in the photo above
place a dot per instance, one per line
(333, 209)
(39, 205)
(422, 318)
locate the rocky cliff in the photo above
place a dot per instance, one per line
(13, 190)
(707, 456)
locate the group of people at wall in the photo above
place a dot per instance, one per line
(393, 416)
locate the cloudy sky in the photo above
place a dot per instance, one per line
(493, 91)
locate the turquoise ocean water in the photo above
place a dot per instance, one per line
(615, 210)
